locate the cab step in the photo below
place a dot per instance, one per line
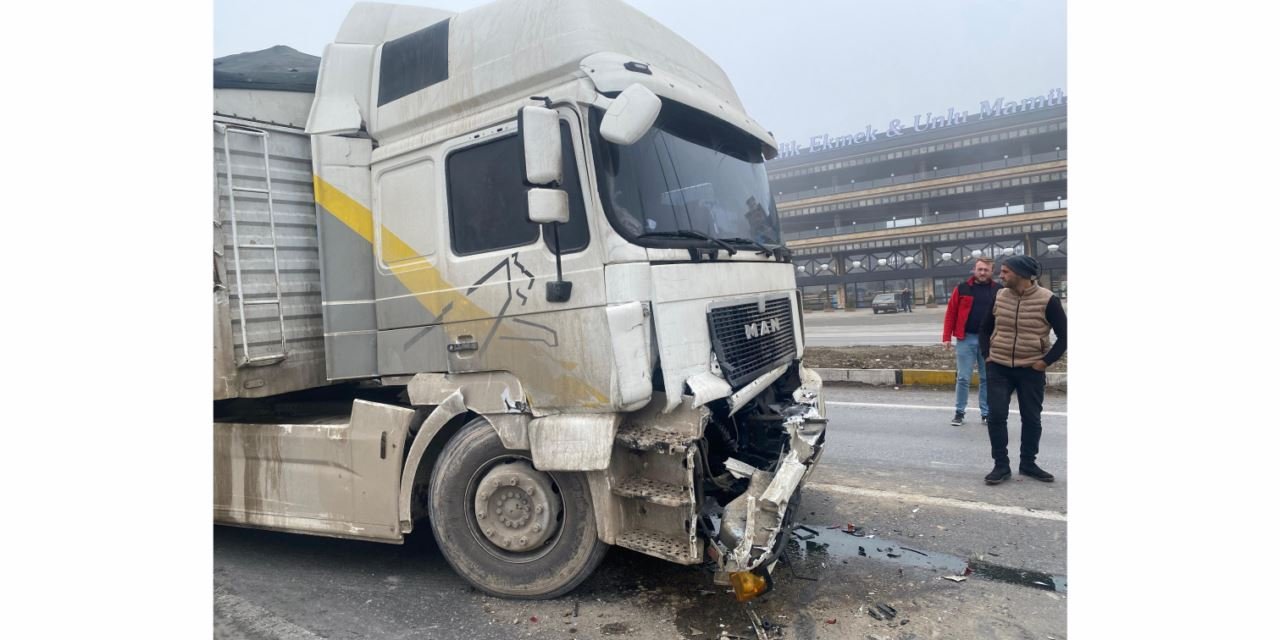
(680, 550)
(654, 491)
(646, 438)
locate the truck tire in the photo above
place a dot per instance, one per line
(485, 502)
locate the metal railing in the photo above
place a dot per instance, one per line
(1016, 161)
(950, 216)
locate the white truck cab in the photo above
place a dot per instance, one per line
(554, 293)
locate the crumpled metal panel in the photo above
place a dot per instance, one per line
(766, 511)
(707, 386)
(733, 524)
(484, 392)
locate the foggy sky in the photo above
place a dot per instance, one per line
(801, 68)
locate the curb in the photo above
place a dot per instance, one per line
(913, 377)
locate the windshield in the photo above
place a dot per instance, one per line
(689, 173)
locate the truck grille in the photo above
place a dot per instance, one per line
(747, 342)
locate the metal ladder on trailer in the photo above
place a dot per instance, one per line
(270, 357)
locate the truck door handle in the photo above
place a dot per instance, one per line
(463, 343)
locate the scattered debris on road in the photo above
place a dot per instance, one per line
(855, 531)
(955, 578)
(809, 532)
(756, 624)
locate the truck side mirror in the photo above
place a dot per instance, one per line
(551, 206)
(631, 115)
(544, 167)
(540, 142)
(547, 206)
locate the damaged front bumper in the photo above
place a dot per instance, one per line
(755, 525)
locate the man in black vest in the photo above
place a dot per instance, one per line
(1015, 345)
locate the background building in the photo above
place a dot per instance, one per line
(911, 206)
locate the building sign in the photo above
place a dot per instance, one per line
(925, 122)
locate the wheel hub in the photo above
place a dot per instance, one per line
(515, 507)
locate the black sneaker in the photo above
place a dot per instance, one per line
(984, 419)
(958, 420)
(999, 474)
(1030, 469)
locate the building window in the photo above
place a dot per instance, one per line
(955, 257)
(942, 288)
(1055, 280)
(852, 297)
(1058, 242)
(820, 297)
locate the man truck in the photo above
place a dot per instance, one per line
(514, 274)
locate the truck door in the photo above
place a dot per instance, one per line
(499, 263)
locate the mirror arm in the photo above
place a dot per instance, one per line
(559, 290)
(555, 236)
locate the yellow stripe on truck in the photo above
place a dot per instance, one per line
(344, 208)
(430, 288)
(421, 278)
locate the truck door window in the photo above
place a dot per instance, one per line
(488, 206)
(406, 206)
(574, 234)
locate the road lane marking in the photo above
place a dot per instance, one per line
(924, 406)
(940, 502)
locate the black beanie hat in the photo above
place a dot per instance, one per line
(1025, 266)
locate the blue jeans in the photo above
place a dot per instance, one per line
(969, 354)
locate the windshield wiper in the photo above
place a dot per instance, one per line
(764, 250)
(685, 233)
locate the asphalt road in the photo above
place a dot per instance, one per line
(893, 466)
(923, 326)
(846, 328)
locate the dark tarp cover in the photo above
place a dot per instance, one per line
(279, 68)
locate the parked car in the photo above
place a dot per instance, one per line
(885, 302)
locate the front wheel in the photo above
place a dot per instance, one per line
(507, 528)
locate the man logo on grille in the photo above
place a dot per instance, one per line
(762, 328)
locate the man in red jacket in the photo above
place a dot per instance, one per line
(971, 302)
